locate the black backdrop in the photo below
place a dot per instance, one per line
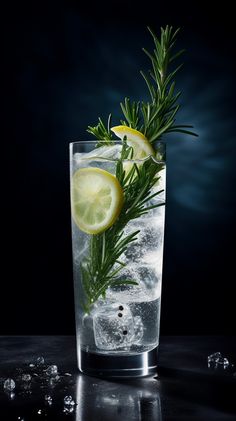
(66, 65)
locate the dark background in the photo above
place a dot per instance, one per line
(66, 65)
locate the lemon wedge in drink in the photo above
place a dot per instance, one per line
(96, 199)
(140, 144)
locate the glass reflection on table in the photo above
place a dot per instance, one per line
(117, 400)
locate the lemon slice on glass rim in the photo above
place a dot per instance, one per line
(142, 148)
(96, 199)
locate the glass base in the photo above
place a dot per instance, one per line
(117, 366)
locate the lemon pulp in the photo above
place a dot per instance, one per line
(97, 199)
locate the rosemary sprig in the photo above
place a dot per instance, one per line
(157, 117)
(101, 269)
(101, 132)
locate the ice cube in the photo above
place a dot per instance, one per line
(149, 244)
(69, 404)
(53, 380)
(9, 385)
(51, 370)
(148, 284)
(223, 362)
(113, 327)
(68, 409)
(150, 278)
(214, 357)
(48, 399)
(40, 361)
(217, 360)
(104, 152)
(68, 400)
(26, 378)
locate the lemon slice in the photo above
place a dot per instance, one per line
(140, 144)
(96, 199)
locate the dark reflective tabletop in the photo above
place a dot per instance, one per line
(184, 389)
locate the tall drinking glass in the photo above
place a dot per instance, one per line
(117, 298)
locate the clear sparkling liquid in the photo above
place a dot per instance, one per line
(103, 330)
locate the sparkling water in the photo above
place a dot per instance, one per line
(127, 320)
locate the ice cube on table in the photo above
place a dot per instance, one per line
(217, 360)
(113, 327)
(68, 400)
(9, 385)
(223, 362)
(104, 152)
(52, 370)
(214, 357)
(69, 404)
(40, 361)
(48, 399)
(26, 378)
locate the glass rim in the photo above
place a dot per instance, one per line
(105, 142)
(159, 156)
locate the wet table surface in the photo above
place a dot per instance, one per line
(185, 388)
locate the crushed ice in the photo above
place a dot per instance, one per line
(40, 361)
(217, 361)
(48, 399)
(68, 400)
(53, 380)
(26, 378)
(41, 376)
(52, 370)
(9, 385)
(69, 404)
